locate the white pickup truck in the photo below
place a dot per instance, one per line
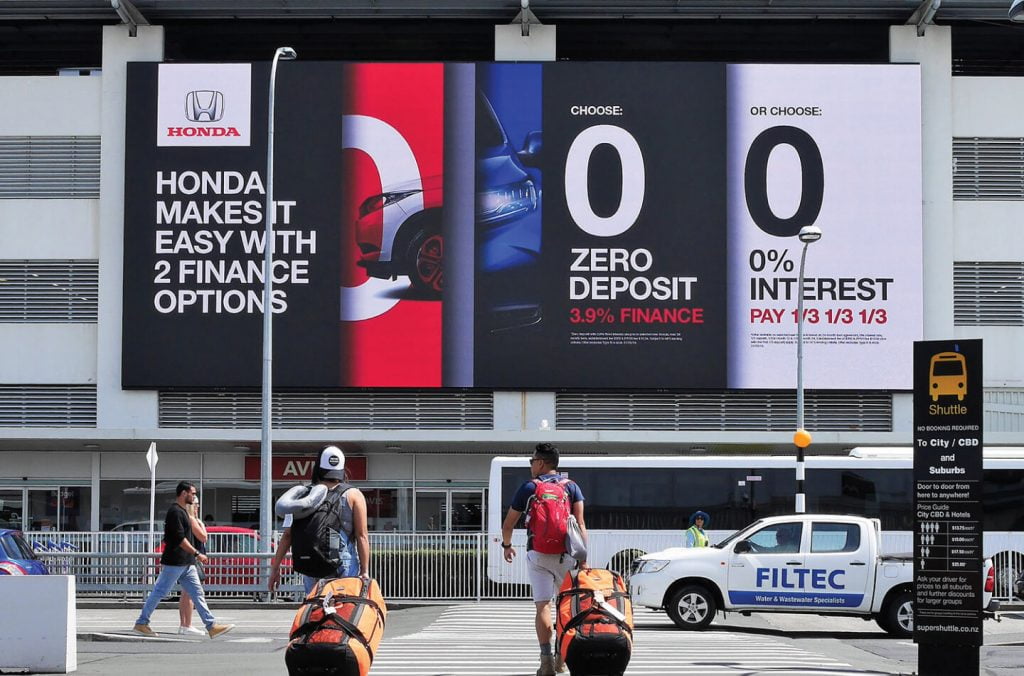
(805, 563)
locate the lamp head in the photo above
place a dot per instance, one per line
(1016, 10)
(285, 54)
(812, 233)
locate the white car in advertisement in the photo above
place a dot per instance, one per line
(805, 563)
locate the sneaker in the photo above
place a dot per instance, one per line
(559, 664)
(547, 666)
(191, 631)
(218, 629)
(144, 630)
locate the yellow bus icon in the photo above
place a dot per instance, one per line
(947, 375)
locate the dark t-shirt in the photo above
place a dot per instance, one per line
(177, 527)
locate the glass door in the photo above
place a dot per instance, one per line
(12, 508)
(44, 509)
(431, 510)
(467, 512)
(449, 510)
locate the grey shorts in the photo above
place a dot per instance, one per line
(546, 573)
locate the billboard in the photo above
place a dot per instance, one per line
(507, 225)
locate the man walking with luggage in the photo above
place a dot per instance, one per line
(177, 565)
(546, 569)
(352, 517)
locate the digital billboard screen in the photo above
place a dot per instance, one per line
(518, 225)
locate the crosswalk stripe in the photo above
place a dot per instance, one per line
(465, 637)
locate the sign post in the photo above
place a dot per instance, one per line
(948, 531)
(151, 459)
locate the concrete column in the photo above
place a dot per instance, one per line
(116, 408)
(520, 411)
(933, 52)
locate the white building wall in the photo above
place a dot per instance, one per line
(991, 230)
(48, 354)
(117, 408)
(41, 354)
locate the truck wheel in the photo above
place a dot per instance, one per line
(692, 607)
(898, 617)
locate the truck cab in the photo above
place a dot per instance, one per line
(805, 563)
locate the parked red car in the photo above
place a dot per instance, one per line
(234, 570)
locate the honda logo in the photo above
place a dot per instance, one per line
(204, 106)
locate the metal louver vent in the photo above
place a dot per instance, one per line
(988, 294)
(47, 406)
(61, 167)
(1004, 410)
(48, 291)
(727, 411)
(988, 168)
(327, 410)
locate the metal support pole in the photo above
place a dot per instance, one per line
(800, 498)
(266, 453)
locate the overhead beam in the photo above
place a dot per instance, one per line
(129, 15)
(924, 15)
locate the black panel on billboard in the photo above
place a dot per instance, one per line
(191, 307)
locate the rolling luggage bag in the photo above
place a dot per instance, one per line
(337, 629)
(595, 623)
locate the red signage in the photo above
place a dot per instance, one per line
(382, 503)
(300, 467)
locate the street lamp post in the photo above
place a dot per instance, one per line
(801, 438)
(266, 508)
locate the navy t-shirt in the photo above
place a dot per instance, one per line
(527, 490)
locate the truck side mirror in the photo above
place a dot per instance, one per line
(742, 547)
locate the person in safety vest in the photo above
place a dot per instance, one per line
(695, 535)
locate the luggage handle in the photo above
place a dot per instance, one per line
(607, 607)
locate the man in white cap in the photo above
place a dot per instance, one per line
(330, 472)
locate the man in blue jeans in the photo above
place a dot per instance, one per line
(177, 565)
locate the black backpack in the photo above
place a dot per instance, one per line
(317, 538)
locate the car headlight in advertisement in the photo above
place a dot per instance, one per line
(506, 201)
(378, 202)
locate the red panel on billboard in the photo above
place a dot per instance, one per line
(394, 145)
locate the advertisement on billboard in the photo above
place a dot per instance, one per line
(507, 225)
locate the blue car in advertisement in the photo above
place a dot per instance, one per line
(406, 237)
(17, 557)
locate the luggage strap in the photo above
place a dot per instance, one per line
(601, 607)
(350, 629)
(338, 600)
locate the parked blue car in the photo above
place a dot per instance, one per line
(17, 557)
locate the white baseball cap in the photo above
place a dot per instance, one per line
(331, 464)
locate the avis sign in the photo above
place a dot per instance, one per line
(300, 468)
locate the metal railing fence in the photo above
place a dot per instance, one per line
(409, 566)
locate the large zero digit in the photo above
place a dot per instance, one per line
(755, 180)
(577, 195)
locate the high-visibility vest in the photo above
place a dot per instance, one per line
(699, 538)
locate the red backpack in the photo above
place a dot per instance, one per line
(547, 516)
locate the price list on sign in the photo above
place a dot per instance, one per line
(948, 531)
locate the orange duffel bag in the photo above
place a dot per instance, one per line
(337, 629)
(595, 623)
